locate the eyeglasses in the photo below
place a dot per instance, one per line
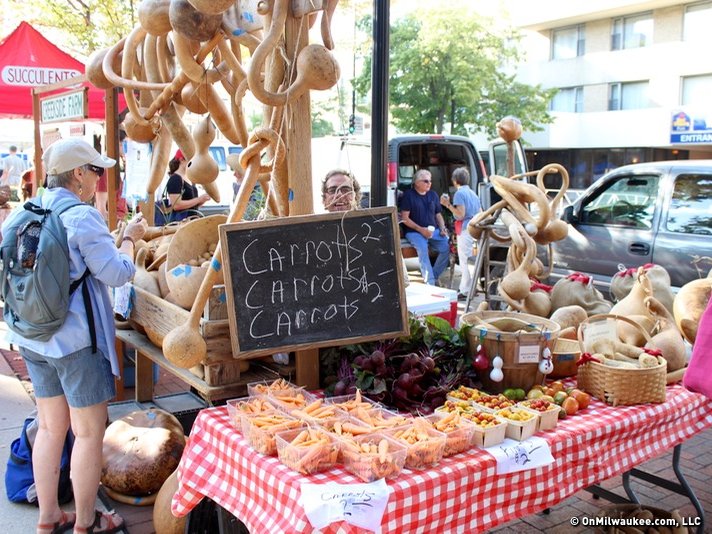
(99, 171)
(425, 181)
(343, 190)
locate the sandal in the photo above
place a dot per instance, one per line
(65, 523)
(111, 522)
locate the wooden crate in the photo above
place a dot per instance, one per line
(157, 317)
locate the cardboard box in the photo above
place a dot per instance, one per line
(519, 430)
(423, 299)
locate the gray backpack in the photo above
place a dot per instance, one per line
(34, 259)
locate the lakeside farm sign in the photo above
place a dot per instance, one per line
(66, 106)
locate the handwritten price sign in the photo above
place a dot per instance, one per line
(361, 505)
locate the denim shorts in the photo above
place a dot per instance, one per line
(83, 377)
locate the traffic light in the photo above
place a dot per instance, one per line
(352, 124)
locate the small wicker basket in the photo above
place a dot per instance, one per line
(620, 386)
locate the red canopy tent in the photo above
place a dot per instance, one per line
(28, 60)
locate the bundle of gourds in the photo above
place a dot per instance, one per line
(179, 51)
(520, 285)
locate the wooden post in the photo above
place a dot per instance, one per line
(111, 126)
(298, 137)
(39, 168)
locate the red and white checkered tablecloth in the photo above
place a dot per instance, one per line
(462, 493)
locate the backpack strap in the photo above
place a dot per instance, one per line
(87, 306)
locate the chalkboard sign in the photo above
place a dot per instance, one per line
(313, 281)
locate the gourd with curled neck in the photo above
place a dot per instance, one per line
(668, 339)
(202, 168)
(633, 306)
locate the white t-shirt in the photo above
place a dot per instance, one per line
(13, 167)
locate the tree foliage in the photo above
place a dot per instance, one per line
(88, 25)
(448, 67)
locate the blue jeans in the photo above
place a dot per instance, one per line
(440, 244)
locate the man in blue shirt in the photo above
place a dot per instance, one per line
(421, 214)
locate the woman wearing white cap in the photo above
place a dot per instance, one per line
(72, 383)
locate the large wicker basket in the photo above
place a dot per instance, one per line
(616, 385)
(530, 330)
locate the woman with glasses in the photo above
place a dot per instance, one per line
(340, 191)
(421, 214)
(72, 372)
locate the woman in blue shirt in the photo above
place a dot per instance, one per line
(72, 383)
(465, 205)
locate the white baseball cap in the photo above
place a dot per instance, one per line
(67, 154)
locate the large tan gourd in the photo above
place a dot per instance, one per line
(95, 71)
(143, 278)
(622, 282)
(668, 339)
(164, 522)
(632, 306)
(140, 451)
(191, 23)
(153, 16)
(202, 168)
(689, 305)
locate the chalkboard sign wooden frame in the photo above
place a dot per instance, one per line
(313, 281)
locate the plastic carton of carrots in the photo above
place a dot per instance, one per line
(373, 456)
(245, 406)
(458, 431)
(307, 450)
(260, 430)
(425, 444)
(267, 387)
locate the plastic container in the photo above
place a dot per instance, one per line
(294, 400)
(424, 444)
(519, 429)
(237, 408)
(266, 387)
(260, 430)
(312, 458)
(548, 412)
(458, 434)
(381, 419)
(352, 403)
(314, 412)
(372, 465)
(488, 429)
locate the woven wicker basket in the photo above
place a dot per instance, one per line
(620, 386)
(529, 330)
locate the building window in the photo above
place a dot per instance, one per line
(698, 21)
(631, 95)
(696, 90)
(567, 43)
(568, 99)
(632, 32)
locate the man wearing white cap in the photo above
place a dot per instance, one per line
(72, 383)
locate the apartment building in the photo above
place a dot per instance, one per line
(634, 80)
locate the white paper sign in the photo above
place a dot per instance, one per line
(512, 455)
(598, 330)
(122, 300)
(528, 353)
(361, 505)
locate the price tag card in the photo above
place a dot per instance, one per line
(512, 455)
(122, 300)
(598, 330)
(361, 505)
(528, 354)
